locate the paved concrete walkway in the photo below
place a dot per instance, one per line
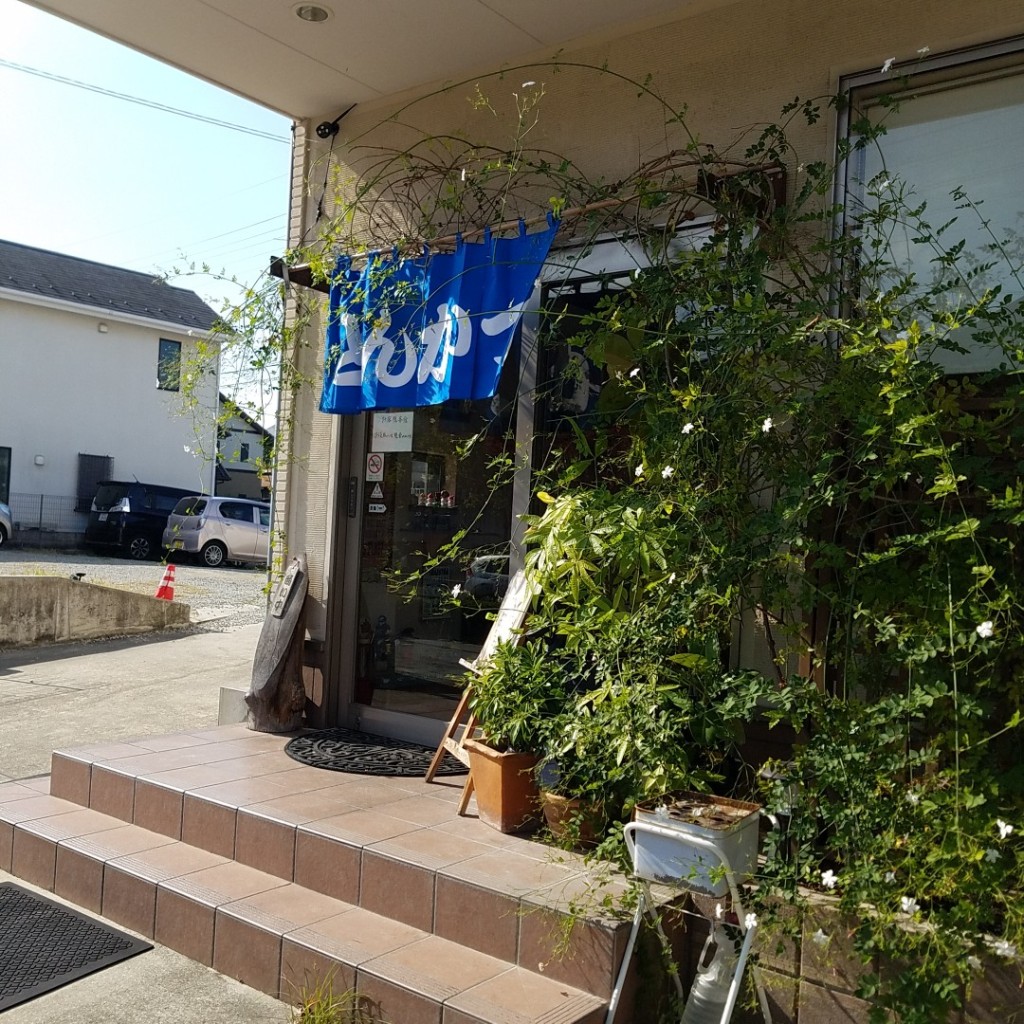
(76, 694)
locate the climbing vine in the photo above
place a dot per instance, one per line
(777, 446)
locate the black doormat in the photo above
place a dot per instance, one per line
(344, 750)
(44, 945)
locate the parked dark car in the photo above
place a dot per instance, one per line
(129, 517)
(487, 577)
(6, 524)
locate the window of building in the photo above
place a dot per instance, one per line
(5, 475)
(91, 470)
(168, 365)
(243, 452)
(953, 148)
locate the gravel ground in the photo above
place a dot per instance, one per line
(220, 599)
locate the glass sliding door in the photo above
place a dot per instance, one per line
(436, 525)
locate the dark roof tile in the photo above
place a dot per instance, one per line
(24, 268)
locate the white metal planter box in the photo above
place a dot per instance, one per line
(729, 825)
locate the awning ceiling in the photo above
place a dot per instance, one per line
(365, 50)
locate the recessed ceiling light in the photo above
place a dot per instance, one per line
(312, 12)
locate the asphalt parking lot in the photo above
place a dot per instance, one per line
(220, 599)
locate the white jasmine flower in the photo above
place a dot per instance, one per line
(985, 629)
(188, 451)
(750, 921)
(890, 877)
(672, 578)
(639, 471)
(819, 938)
(909, 905)
(687, 428)
(885, 185)
(456, 590)
(974, 963)
(829, 879)
(1004, 829)
(1003, 948)
(991, 855)
(887, 66)
(767, 425)
(634, 371)
(667, 472)
(913, 799)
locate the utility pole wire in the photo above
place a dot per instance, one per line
(152, 104)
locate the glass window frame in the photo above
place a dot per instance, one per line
(5, 474)
(931, 73)
(168, 367)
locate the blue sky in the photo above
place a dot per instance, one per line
(120, 183)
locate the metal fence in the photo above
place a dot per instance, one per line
(47, 520)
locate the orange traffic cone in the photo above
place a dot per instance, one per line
(166, 589)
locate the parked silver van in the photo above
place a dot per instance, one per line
(219, 530)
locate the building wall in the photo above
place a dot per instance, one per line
(730, 68)
(66, 388)
(239, 433)
(307, 442)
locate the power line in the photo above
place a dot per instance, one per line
(137, 228)
(280, 218)
(152, 104)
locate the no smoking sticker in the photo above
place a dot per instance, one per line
(374, 467)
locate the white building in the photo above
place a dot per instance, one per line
(93, 363)
(244, 451)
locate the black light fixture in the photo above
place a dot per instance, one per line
(328, 129)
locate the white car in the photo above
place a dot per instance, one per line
(219, 530)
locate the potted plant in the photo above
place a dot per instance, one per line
(572, 802)
(514, 695)
(645, 703)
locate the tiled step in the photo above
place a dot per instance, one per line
(195, 839)
(394, 847)
(268, 933)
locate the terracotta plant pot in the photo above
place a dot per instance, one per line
(506, 794)
(569, 817)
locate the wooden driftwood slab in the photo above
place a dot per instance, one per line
(276, 697)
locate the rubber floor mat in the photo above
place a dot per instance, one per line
(345, 750)
(44, 945)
